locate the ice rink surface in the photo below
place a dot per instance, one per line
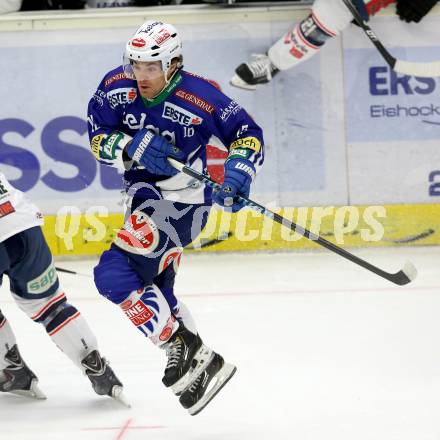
(325, 350)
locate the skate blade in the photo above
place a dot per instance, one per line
(221, 379)
(236, 81)
(182, 384)
(34, 392)
(119, 396)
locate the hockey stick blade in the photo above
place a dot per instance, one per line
(404, 276)
(425, 70)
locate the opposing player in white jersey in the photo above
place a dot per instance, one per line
(327, 20)
(26, 259)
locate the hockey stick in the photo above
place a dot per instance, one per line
(211, 242)
(404, 276)
(72, 272)
(406, 67)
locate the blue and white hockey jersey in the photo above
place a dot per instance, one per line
(190, 113)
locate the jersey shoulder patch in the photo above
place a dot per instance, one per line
(117, 89)
(198, 93)
(116, 78)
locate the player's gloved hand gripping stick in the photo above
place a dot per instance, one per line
(404, 276)
(151, 151)
(238, 178)
(405, 67)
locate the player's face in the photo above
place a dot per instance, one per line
(150, 78)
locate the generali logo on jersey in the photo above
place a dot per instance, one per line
(180, 115)
(194, 99)
(117, 77)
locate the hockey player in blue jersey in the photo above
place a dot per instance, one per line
(143, 112)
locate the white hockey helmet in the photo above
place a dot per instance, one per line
(153, 41)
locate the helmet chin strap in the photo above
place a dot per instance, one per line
(167, 81)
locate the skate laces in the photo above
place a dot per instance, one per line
(260, 66)
(195, 384)
(173, 351)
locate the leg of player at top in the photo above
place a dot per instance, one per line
(328, 19)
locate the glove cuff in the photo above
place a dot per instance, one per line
(242, 166)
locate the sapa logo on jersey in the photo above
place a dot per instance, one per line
(180, 115)
(43, 282)
(121, 96)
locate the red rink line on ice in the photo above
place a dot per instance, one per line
(286, 292)
(396, 289)
(300, 291)
(123, 429)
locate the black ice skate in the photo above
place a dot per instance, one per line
(258, 71)
(103, 378)
(207, 384)
(187, 357)
(19, 379)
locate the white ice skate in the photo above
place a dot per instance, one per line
(258, 71)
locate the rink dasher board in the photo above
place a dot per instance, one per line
(333, 155)
(103, 18)
(403, 225)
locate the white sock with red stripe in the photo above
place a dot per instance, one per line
(328, 19)
(64, 324)
(75, 338)
(292, 49)
(184, 314)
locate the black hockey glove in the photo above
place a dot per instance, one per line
(414, 10)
